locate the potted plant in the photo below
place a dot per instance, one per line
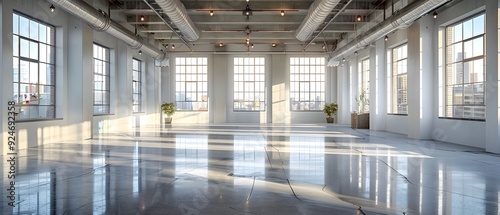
(330, 109)
(169, 110)
(361, 119)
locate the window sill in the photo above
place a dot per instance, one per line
(397, 114)
(37, 120)
(464, 119)
(106, 114)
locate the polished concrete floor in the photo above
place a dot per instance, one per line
(254, 169)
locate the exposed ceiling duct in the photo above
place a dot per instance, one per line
(403, 19)
(177, 13)
(318, 11)
(99, 21)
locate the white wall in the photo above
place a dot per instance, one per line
(220, 90)
(425, 57)
(74, 80)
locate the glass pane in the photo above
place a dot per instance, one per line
(467, 29)
(34, 50)
(25, 48)
(43, 53)
(43, 33)
(15, 42)
(478, 25)
(15, 24)
(15, 69)
(478, 47)
(24, 26)
(33, 30)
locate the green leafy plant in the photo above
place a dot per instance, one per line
(168, 108)
(362, 101)
(330, 109)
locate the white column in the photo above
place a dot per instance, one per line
(378, 86)
(221, 93)
(492, 77)
(343, 98)
(80, 78)
(420, 83)
(6, 91)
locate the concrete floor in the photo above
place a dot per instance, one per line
(253, 169)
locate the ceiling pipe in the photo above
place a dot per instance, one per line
(318, 11)
(177, 13)
(402, 19)
(327, 24)
(181, 38)
(100, 21)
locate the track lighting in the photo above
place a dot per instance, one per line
(52, 8)
(358, 18)
(142, 18)
(211, 13)
(386, 37)
(140, 52)
(282, 13)
(435, 14)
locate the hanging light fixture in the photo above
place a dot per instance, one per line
(52, 8)
(343, 59)
(386, 38)
(356, 53)
(282, 13)
(140, 52)
(252, 46)
(435, 14)
(211, 13)
(273, 45)
(358, 18)
(221, 44)
(173, 46)
(142, 18)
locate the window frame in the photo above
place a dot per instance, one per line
(49, 62)
(393, 87)
(182, 82)
(137, 90)
(107, 83)
(448, 108)
(364, 79)
(259, 79)
(300, 79)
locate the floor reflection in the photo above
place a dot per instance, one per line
(256, 169)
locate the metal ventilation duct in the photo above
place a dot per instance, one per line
(177, 13)
(403, 19)
(318, 11)
(101, 22)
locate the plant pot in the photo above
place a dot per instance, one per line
(168, 120)
(329, 120)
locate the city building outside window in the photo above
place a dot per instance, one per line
(33, 68)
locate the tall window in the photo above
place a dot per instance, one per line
(136, 85)
(307, 83)
(399, 80)
(249, 74)
(191, 85)
(33, 68)
(465, 73)
(101, 80)
(364, 80)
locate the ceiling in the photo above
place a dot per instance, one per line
(230, 26)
